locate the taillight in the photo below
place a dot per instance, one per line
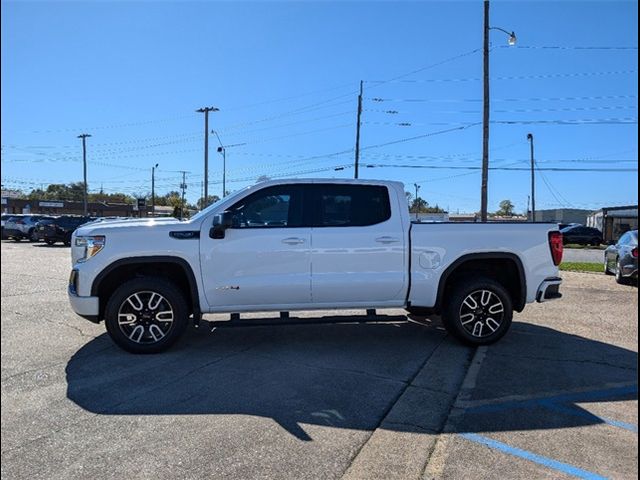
(555, 244)
(634, 252)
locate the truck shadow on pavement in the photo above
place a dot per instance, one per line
(348, 375)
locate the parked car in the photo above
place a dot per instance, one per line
(20, 227)
(61, 229)
(5, 217)
(581, 235)
(253, 251)
(621, 259)
(39, 229)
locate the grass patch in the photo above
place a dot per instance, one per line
(581, 267)
(585, 247)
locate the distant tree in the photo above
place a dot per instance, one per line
(212, 199)
(419, 205)
(506, 208)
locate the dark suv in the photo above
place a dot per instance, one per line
(581, 235)
(61, 229)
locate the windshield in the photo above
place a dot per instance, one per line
(229, 200)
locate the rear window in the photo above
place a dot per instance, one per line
(351, 205)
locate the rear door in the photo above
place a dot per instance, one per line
(358, 246)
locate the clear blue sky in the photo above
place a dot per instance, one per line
(285, 77)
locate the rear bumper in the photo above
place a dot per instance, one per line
(549, 289)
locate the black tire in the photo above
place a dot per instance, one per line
(17, 238)
(138, 332)
(494, 316)
(618, 273)
(49, 242)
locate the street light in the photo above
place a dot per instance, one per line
(533, 184)
(485, 115)
(153, 190)
(223, 151)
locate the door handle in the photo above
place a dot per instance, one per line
(293, 240)
(387, 240)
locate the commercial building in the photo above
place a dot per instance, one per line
(614, 221)
(563, 215)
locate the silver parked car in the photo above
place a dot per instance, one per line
(22, 226)
(621, 259)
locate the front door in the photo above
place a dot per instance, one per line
(263, 261)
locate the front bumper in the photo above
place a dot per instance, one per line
(549, 289)
(86, 307)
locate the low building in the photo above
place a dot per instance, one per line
(63, 207)
(563, 215)
(614, 221)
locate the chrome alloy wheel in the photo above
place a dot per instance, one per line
(145, 317)
(481, 313)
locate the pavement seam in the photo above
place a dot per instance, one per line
(438, 451)
(392, 404)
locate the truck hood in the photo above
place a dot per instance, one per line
(95, 228)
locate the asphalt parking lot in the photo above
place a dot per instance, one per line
(556, 398)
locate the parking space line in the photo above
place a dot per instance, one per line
(574, 411)
(533, 457)
(589, 396)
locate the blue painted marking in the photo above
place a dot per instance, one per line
(571, 397)
(532, 457)
(576, 412)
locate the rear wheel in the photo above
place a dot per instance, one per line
(619, 278)
(146, 315)
(478, 311)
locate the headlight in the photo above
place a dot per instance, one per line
(92, 245)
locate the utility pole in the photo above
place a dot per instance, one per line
(485, 109)
(485, 118)
(153, 190)
(183, 187)
(206, 111)
(533, 181)
(355, 174)
(84, 137)
(417, 204)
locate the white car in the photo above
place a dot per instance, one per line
(303, 245)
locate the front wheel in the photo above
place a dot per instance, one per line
(478, 311)
(146, 315)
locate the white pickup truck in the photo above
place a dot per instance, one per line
(304, 245)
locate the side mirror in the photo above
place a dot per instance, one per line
(220, 223)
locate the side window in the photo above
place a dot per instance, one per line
(278, 206)
(351, 205)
